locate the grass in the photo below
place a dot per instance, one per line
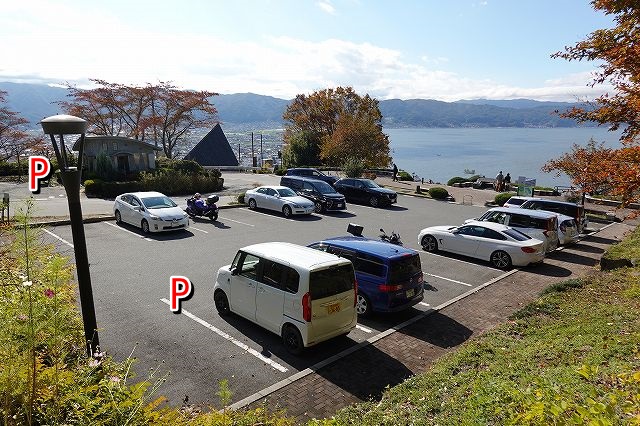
(571, 357)
(629, 248)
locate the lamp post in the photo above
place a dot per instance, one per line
(69, 125)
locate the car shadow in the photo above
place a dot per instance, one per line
(340, 213)
(548, 270)
(585, 248)
(600, 240)
(439, 330)
(177, 234)
(299, 217)
(569, 257)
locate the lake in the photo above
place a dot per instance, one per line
(440, 154)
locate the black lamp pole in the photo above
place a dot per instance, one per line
(69, 125)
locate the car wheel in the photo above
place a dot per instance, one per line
(221, 302)
(500, 260)
(118, 217)
(429, 243)
(292, 339)
(373, 202)
(318, 207)
(252, 204)
(145, 226)
(286, 211)
(363, 306)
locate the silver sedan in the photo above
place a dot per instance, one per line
(279, 198)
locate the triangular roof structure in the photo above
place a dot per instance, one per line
(213, 150)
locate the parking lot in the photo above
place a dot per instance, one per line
(130, 276)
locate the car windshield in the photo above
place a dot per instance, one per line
(160, 202)
(405, 268)
(324, 188)
(369, 183)
(286, 192)
(515, 201)
(516, 235)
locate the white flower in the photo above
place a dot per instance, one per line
(27, 283)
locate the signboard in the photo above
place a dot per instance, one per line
(525, 186)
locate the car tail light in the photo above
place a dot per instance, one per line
(528, 249)
(355, 293)
(306, 307)
(388, 288)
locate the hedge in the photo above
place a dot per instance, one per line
(502, 198)
(169, 183)
(438, 193)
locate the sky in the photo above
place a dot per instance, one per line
(402, 49)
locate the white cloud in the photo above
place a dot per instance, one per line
(283, 67)
(327, 7)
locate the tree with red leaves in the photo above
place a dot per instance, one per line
(595, 167)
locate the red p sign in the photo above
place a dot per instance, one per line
(39, 168)
(181, 289)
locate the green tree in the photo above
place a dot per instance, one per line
(302, 149)
(332, 122)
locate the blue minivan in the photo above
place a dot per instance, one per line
(389, 276)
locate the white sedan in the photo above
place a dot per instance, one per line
(151, 211)
(279, 198)
(499, 244)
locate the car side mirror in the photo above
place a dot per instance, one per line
(138, 208)
(234, 271)
(455, 231)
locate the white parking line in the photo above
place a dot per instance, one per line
(424, 304)
(126, 230)
(365, 329)
(448, 279)
(236, 342)
(237, 221)
(461, 261)
(201, 230)
(58, 238)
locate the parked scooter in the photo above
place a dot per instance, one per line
(393, 238)
(210, 209)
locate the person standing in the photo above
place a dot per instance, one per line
(395, 172)
(499, 180)
(507, 183)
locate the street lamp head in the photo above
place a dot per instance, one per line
(64, 125)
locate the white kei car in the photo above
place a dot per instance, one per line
(499, 244)
(151, 211)
(278, 198)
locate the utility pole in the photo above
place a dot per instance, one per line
(253, 156)
(238, 154)
(261, 155)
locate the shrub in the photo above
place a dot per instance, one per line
(438, 193)
(12, 169)
(456, 179)
(184, 166)
(104, 167)
(241, 198)
(502, 198)
(402, 175)
(353, 168)
(280, 171)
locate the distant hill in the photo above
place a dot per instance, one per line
(249, 110)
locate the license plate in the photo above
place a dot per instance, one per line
(333, 308)
(339, 205)
(411, 292)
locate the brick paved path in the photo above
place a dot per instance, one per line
(365, 373)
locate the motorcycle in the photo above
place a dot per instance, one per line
(394, 238)
(210, 208)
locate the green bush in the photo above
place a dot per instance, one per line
(164, 164)
(502, 198)
(438, 193)
(456, 179)
(402, 175)
(241, 197)
(12, 169)
(353, 168)
(280, 171)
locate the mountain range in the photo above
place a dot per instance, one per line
(36, 101)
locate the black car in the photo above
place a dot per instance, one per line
(321, 193)
(366, 191)
(312, 174)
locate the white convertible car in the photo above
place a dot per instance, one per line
(499, 244)
(279, 198)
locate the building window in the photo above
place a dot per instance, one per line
(115, 146)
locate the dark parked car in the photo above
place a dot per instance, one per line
(365, 191)
(312, 174)
(321, 193)
(389, 277)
